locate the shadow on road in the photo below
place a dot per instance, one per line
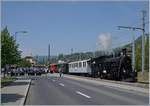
(5, 98)
(18, 83)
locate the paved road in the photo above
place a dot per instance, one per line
(64, 91)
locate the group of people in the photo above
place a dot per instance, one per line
(17, 71)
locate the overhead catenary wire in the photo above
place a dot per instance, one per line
(142, 28)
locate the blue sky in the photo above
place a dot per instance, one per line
(67, 25)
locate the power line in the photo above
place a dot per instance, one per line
(133, 42)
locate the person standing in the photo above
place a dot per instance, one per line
(60, 72)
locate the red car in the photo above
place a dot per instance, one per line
(53, 68)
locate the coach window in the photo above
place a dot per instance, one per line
(80, 64)
(69, 65)
(76, 64)
(84, 64)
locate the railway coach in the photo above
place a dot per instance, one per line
(80, 68)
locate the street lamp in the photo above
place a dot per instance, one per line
(19, 32)
(15, 36)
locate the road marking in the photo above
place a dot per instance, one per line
(61, 84)
(111, 87)
(53, 80)
(119, 89)
(80, 93)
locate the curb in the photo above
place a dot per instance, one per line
(136, 84)
(26, 93)
(127, 87)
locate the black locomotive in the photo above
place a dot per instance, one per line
(114, 68)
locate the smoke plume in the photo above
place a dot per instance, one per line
(105, 41)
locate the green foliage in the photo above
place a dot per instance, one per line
(138, 58)
(60, 57)
(9, 49)
(24, 63)
(138, 54)
(7, 80)
(147, 54)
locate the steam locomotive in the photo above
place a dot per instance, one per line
(114, 68)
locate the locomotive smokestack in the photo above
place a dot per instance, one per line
(124, 51)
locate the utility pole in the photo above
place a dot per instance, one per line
(71, 55)
(133, 51)
(133, 44)
(143, 39)
(37, 59)
(48, 54)
(71, 51)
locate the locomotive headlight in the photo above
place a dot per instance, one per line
(124, 71)
(104, 71)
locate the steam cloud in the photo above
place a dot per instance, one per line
(105, 41)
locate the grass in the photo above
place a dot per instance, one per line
(143, 78)
(7, 80)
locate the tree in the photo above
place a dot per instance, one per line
(9, 49)
(147, 54)
(138, 54)
(24, 63)
(60, 57)
(138, 58)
